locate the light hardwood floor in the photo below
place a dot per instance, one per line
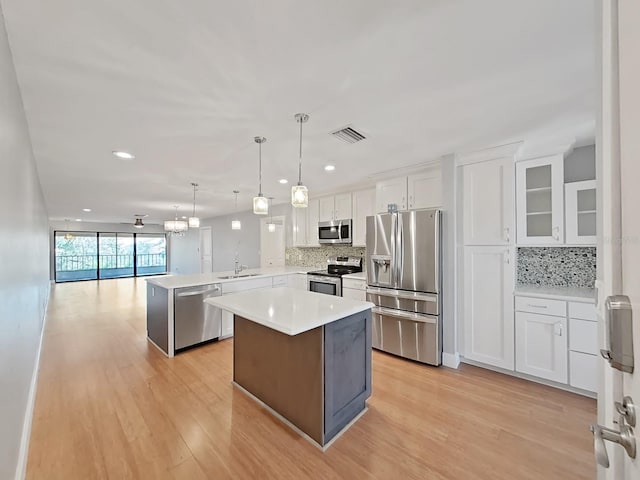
(109, 405)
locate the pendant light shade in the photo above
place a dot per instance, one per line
(235, 224)
(176, 227)
(260, 203)
(138, 223)
(194, 222)
(299, 193)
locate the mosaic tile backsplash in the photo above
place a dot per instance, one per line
(317, 256)
(557, 266)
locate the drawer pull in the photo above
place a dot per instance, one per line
(536, 306)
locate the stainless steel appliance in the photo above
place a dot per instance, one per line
(335, 231)
(404, 282)
(329, 281)
(195, 321)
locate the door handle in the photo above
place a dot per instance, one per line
(624, 438)
(557, 329)
(555, 233)
(507, 236)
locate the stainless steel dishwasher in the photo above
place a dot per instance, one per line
(195, 321)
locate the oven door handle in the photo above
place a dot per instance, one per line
(416, 317)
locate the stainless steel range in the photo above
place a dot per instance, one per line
(329, 281)
(404, 282)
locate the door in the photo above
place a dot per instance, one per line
(541, 346)
(342, 206)
(540, 205)
(418, 251)
(391, 192)
(425, 189)
(488, 191)
(206, 257)
(580, 212)
(326, 209)
(488, 306)
(313, 210)
(363, 206)
(618, 172)
(299, 226)
(272, 242)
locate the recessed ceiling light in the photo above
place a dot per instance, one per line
(183, 217)
(283, 181)
(78, 219)
(330, 168)
(86, 209)
(123, 155)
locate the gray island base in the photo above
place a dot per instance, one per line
(316, 380)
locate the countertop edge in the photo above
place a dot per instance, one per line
(583, 295)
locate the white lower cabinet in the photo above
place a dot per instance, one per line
(354, 288)
(297, 280)
(488, 306)
(227, 324)
(583, 371)
(541, 346)
(354, 294)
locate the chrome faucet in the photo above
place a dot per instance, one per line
(238, 266)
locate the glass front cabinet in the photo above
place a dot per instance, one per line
(580, 212)
(540, 192)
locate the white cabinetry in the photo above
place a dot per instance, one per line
(488, 306)
(363, 206)
(337, 207)
(557, 340)
(541, 346)
(421, 190)
(580, 212)
(354, 288)
(312, 223)
(488, 202)
(299, 227)
(540, 204)
(297, 280)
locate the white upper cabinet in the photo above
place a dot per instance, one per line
(392, 191)
(540, 203)
(580, 212)
(425, 189)
(488, 198)
(299, 227)
(313, 210)
(336, 207)
(363, 206)
(488, 306)
(420, 190)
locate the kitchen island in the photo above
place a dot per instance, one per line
(304, 355)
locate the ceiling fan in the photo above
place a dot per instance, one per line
(138, 223)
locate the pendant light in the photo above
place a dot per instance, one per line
(68, 236)
(271, 226)
(194, 222)
(260, 203)
(299, 193)
(176, 227)
(235, 224)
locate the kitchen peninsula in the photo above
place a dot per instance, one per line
(304, 355)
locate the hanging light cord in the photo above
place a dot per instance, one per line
(260, 168)
(300, 162)
(194, 199)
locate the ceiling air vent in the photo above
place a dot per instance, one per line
(348, 135)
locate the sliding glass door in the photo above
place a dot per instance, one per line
(101, 255)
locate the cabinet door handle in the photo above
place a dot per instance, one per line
(410, 201)
(403, 203)
(507, 258)
(555, 233)
(557, 327)
(507, 237)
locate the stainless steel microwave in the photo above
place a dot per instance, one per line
(335, 231)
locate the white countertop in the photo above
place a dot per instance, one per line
(289, 310)
(197, 279)
(573, 294)
(356, 276)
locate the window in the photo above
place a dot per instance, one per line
(93, 255)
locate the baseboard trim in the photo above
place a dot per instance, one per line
(23, 453)
(451, 360)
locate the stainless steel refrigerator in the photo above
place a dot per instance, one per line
(404, 282)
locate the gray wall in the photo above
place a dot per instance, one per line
(580, 164)
(24, 269)
(184, 255)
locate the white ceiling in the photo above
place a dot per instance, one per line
(186, 85)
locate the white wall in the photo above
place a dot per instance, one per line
(184, 256)
(24, 270)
